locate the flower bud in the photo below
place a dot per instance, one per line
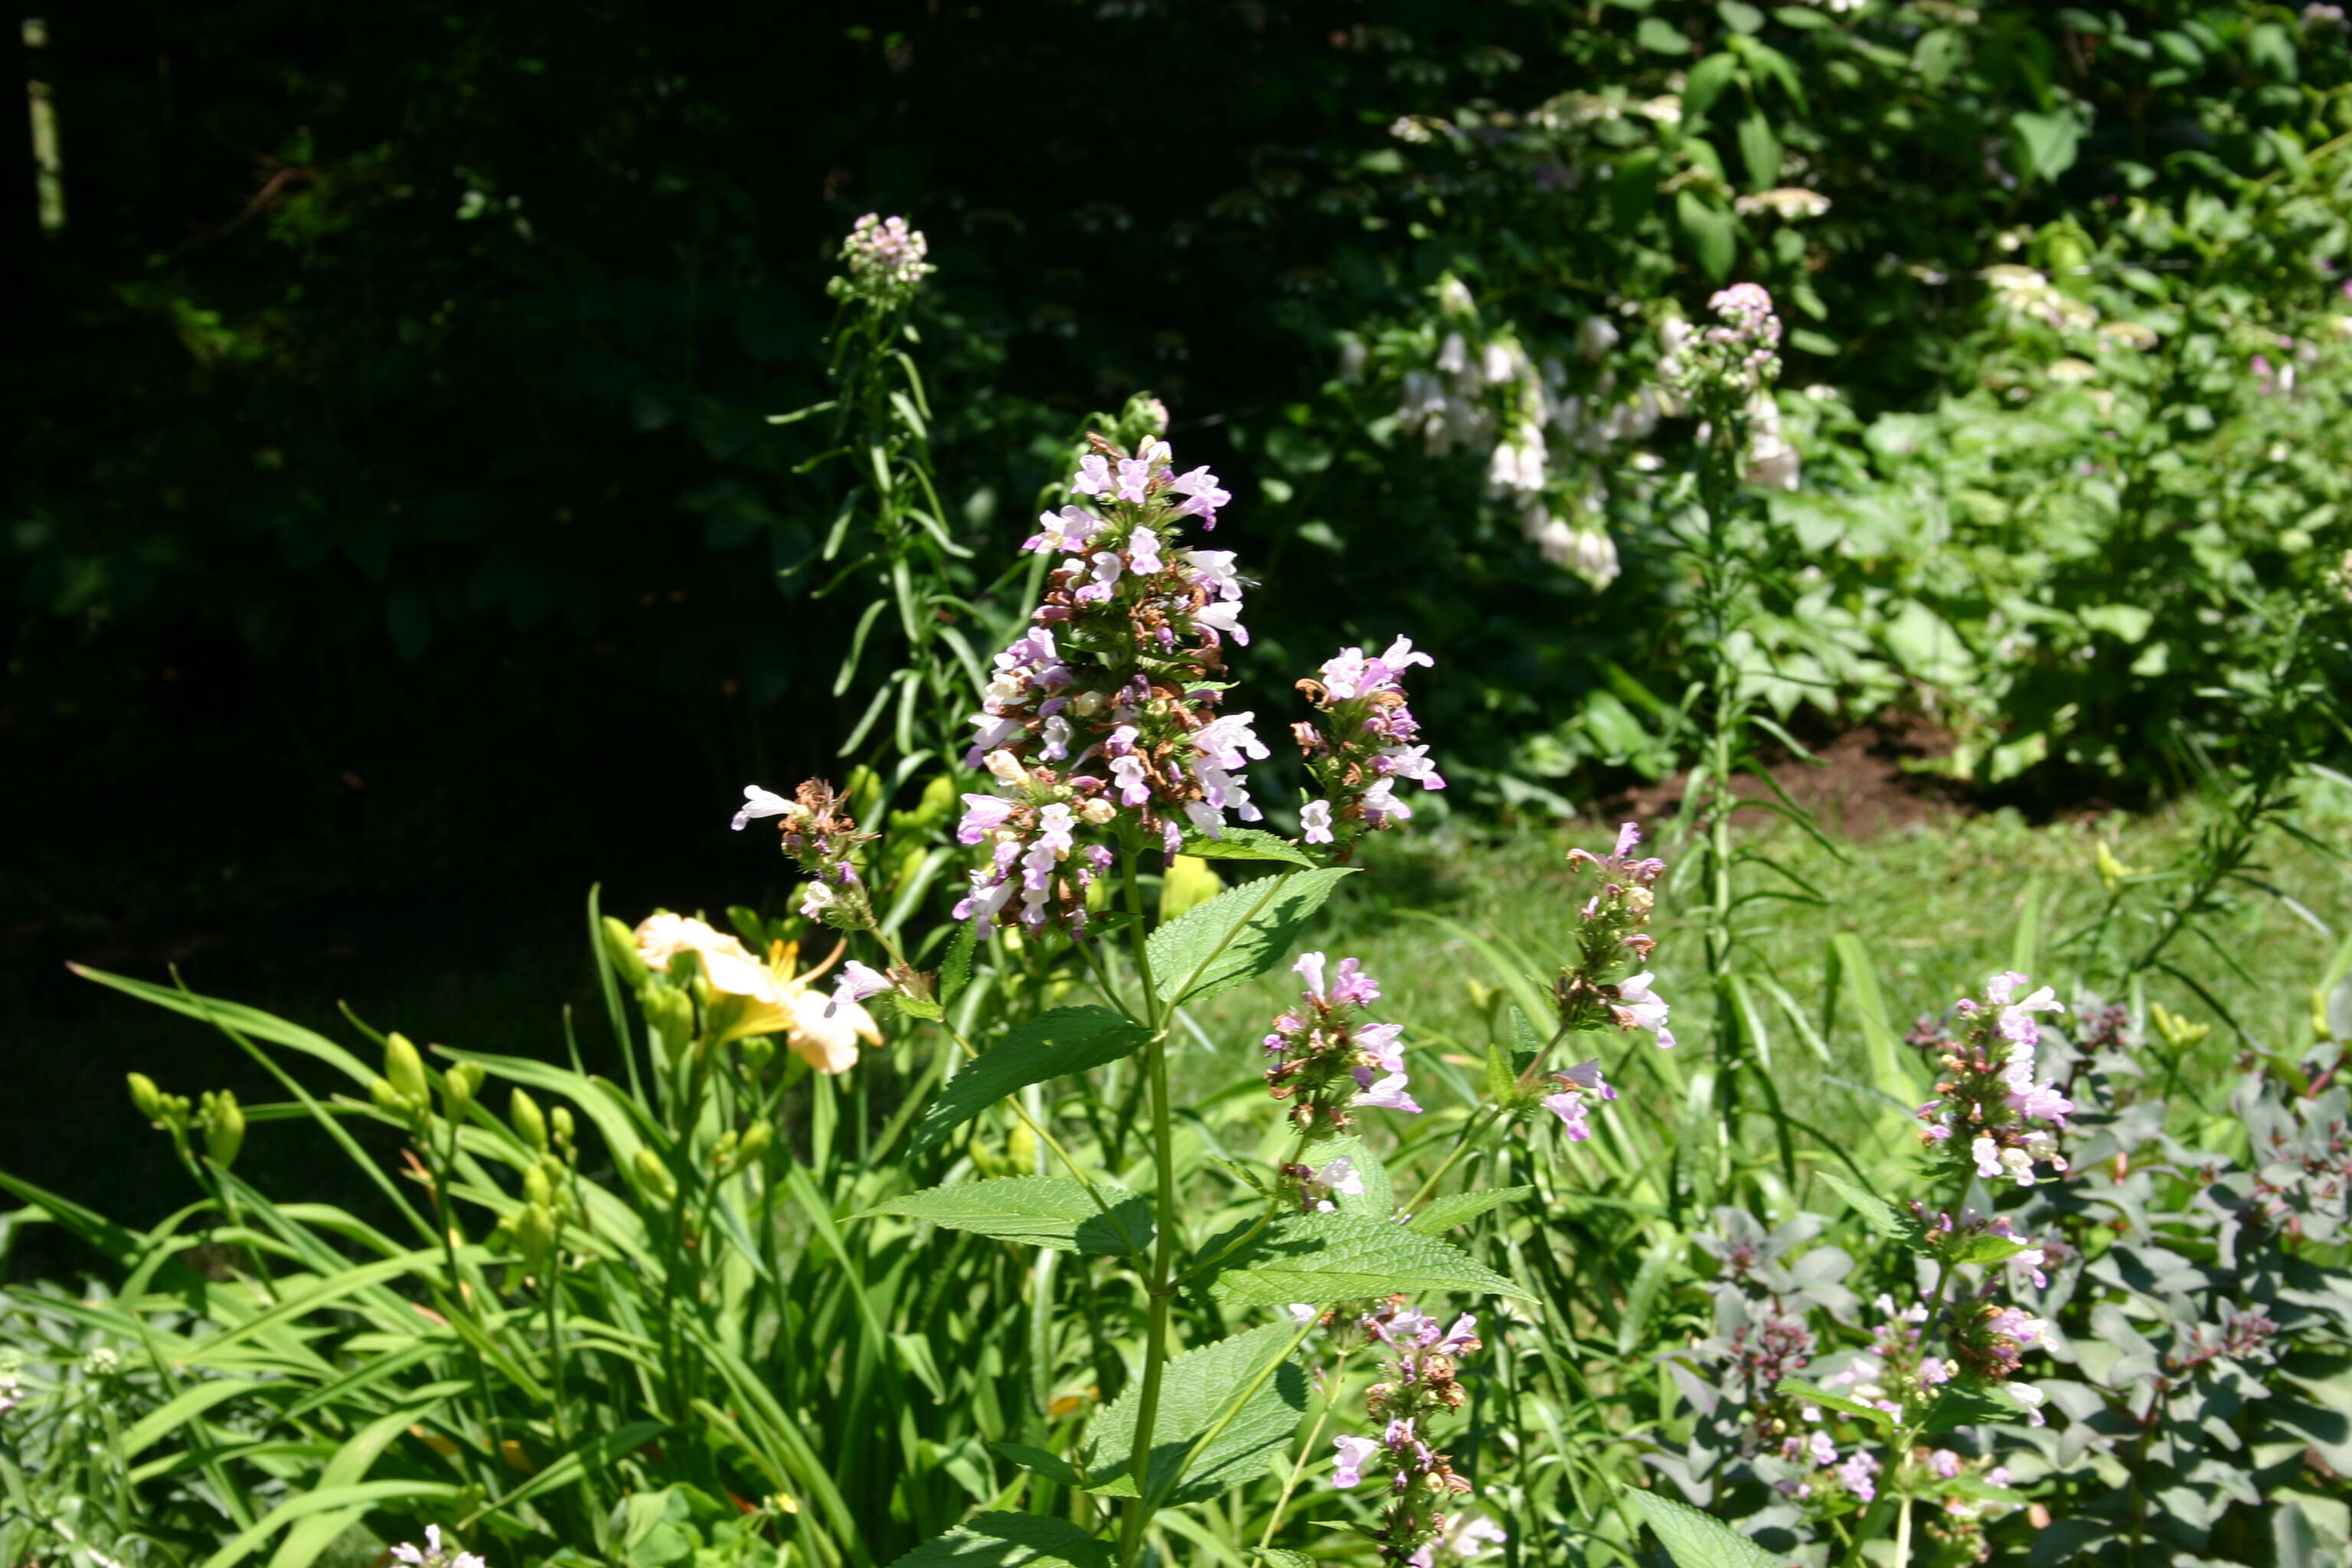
(224, 1128)
(536, 1188)
(406, 1070)
(459, 1084)
(146, 1097)
(670, 1012)
(534, 1233)
(756, 1139)
(653, 1176)
(529, 1124)
(565, 1134)
(387, 1099)
(621, 951)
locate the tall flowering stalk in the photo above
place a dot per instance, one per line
(1722, 376)
(890, 538)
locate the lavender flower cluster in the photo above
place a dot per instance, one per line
(1736, 357)
(1326, 1060)
(1103, 711)
(1610, 935)
(1988, 1111)
(1417, 1385)
(823, 839)
(884, 259)
(1368, 749)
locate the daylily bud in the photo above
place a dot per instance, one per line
(529, 1124)
(459, 1084)
(2319, 1026)
(756, 1139)
(671, 1014)
(562, 1121)
(653, 1176)
(534, 1233)
(387, 1099)
(723, 1154)
(621, 950)
(405, 1068)
(224, 1128)
(2111, 871)
(146, 1097)
(536, 1187)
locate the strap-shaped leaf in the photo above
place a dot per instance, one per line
(1325, 1257)
(1460, 1209)
(1238, 935)
(1197, 1391)
(1066, 1040)
(1010, 1540)
(1695, 1539)
(1037, 1211)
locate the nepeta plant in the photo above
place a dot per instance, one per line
(1109, 754)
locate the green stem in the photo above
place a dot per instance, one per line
(1163, 1256)
(1306, 1453)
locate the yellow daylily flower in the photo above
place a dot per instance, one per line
(751, 997)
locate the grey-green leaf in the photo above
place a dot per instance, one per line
(1196, 1391)
(1037, 1211)
(1876, 1212)
(1010, 1540)
(1066, 1040)
(1695, 1539)
(1326, 1257)
(1459, 1208)
(1238, 935)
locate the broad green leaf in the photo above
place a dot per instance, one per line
(1379, 1198)
(1238, 935)
(1660, 37)
(1877, 1213)
(1037, 1211)
(1197, 1392)
(1326, 1257)
(1706, 82)
(2046, 144)
(1983, 1249)
(1010, 1540)
(1281, 1557)
(1759, 149)
(1460, 1209)
(1052, 1467)
(1695, 1539)
(1957, 1405)
(1052, 1045)
(1245, 844)
(1814, 1394)
(1709, 231)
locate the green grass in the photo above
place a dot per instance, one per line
(1938, 904)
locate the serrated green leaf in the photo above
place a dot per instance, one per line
(955, 970)
(1195, 1390)
(1377, 1200)
(1326, 1257)
(1010, 1540)
(1695, 1539)
(1459, 1208)
(1066, 1040)
(1984, 1250)
(1957, 1405)
(1814, 1394)
(1037, 1211)
(1245, 844)
(1052, 1467)
(1238, 935)
(1281, 1557)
